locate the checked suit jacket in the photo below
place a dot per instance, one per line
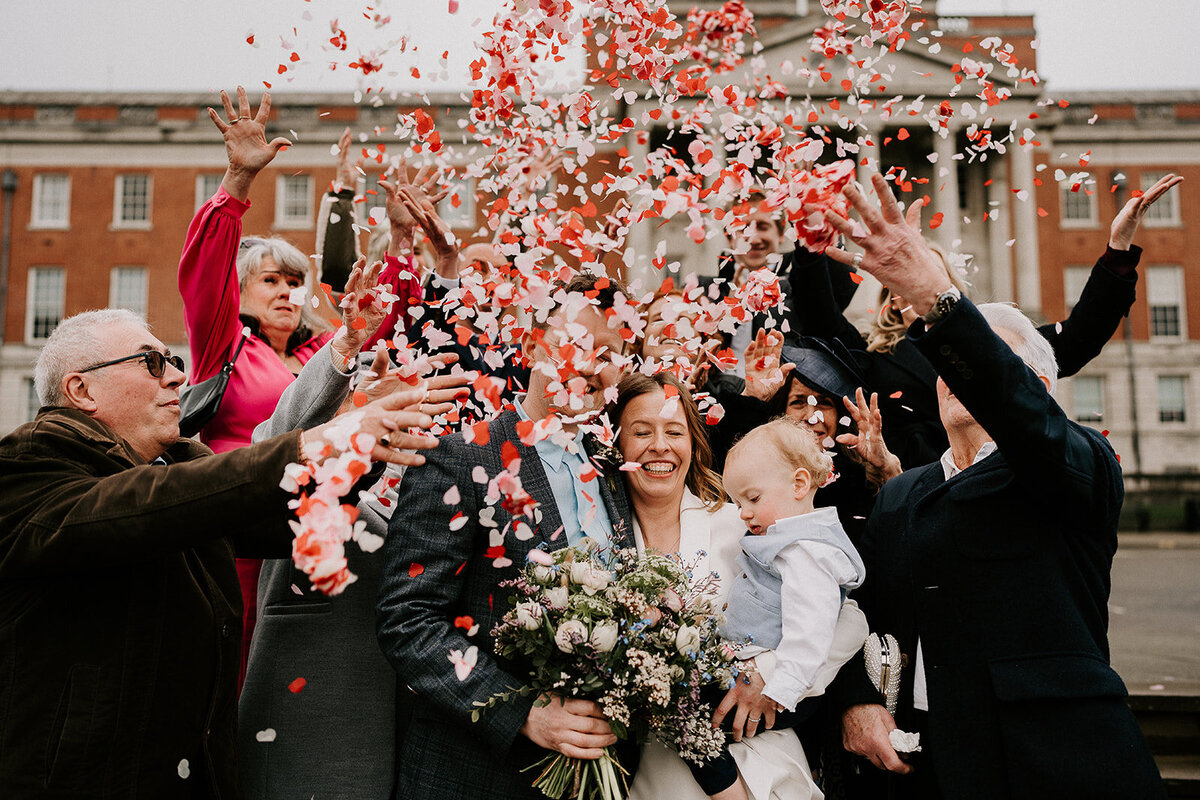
(438, 570)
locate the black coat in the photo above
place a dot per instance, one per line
(1003, 572)
(120, 609)
(904, 378)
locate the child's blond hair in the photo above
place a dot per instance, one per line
(796, 444)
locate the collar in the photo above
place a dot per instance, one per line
(551, 454)
(951, 469)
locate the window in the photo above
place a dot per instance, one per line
(457, 209)
(1165, 210)
(293, 201)
(131, 206)
(206, 187)
(127, 289)
(1087, 392)
(1172, 398)
(1164, 289)
(1074, 279)
(44, 309)
(1078, 193)
(51, 201)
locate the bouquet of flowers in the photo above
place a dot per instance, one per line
(635, 634)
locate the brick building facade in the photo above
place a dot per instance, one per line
(99, 190)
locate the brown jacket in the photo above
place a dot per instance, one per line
(120, 612)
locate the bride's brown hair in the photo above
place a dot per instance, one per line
(701, 479)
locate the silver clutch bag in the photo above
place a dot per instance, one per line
(881, 652)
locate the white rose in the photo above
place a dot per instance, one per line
(529, 616)
(604, 636)
(557, 597)
(687, 640)
(596, 580)
(569, 634)
(542, 575)
(579, 572)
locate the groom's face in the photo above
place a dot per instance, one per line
(582, 360)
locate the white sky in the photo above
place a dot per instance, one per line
(199, 45)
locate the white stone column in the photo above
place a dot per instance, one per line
(1024, 217)
(999, 230)
(945, 194)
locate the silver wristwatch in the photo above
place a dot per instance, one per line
(943, 305)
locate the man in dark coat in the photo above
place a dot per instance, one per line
(449, 549)
(992, 567)
(120, 609)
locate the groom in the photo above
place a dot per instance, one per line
(448, 550)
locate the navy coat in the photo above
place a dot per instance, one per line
(1004, 573)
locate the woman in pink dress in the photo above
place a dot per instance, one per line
(229, 283)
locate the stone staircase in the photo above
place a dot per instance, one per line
(1170, 718)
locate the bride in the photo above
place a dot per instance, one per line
(679, 507)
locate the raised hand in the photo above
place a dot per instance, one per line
(347, 171)
(362, 311)
(1125, 225)
(246, 144)
(441, 239)
(424, 185)
(395, 422)
(893, 249)
(764, 375)
(867, 446)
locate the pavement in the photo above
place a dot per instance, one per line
(1154, 612)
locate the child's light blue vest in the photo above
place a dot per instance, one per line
(754, 608)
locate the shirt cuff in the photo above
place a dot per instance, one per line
(232, 205)
(443, 283)
(1121, 262)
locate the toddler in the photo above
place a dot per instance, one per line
(794, 571)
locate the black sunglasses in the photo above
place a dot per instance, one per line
(156, 362)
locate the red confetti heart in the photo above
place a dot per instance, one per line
(295, 686)
(415, 569)
(466, 623)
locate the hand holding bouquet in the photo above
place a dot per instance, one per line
(635, 636)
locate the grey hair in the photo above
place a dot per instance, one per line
(1031, 347)
(72, 346)
(291, 262)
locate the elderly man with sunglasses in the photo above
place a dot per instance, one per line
(120, 612)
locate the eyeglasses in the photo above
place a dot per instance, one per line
(156, 362)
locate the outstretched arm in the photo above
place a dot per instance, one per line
(1109, 292)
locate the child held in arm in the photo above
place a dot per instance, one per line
(796, 566)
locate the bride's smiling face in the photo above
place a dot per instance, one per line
(662, 445)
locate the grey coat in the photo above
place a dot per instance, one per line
(336, 737)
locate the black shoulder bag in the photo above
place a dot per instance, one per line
(199, 404)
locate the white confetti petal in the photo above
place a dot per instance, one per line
(267, 735)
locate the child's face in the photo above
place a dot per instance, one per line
(765, 489)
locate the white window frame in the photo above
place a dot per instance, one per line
(1075, 277)
(119, 222)
(114, 283)
(36, 220)
(1076, 383)
(31, 298)
(284, 220)
(202, 193)
(1165, 211)
(1159, 389)
(463, 217)
(1088, 183)
(1155, 277)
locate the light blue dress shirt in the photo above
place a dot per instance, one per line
(580, 504)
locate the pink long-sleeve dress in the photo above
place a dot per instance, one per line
(208, 282)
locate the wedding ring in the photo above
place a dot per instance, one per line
(383, 440)
(754, 720)
(858, 260)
